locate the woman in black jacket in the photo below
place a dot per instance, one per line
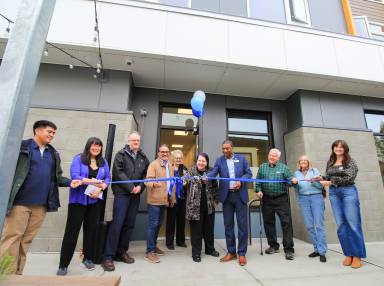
(201, 201)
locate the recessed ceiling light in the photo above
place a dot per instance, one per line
(184, 111)
(177, 146)
(180, 133)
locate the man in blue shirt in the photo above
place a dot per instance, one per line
(234, 197)
(34, 192)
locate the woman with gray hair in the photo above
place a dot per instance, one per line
(176, 214)
(311, 201)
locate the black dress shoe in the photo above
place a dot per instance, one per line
(171, 247)
(196, 258)
(181, 245)
(313, 254)
(213, 253)
(323, 258)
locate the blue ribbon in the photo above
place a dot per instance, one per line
(179, 180)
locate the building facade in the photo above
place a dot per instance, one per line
(290, 74)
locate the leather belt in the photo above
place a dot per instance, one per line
(233, 190)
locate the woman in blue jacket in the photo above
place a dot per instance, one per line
(84, 203)
(311, 201)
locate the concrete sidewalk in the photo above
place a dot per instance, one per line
(177, 268)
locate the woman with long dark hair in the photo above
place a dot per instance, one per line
(201, 201)
(84, 203)
(341, 172)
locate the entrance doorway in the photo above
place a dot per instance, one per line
(178, 129)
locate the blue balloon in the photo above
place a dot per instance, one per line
(197, 103)
(198, 113)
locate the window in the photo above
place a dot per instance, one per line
(377, 30)
(177, 3)
(178, 117)
(297, 12)
(251, 135)
(229, 7)
(375, 122)
(362, 26)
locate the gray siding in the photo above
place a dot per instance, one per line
(374, 11)
(59, 86)
(329, 110)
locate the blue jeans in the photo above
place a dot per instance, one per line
(155, 219)
(312, 208)
(346, 210)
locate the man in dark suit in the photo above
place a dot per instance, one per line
(234, 197)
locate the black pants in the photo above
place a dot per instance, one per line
(77, 214)
(125, 209)
(176, 216)
(280, 206)
(202, 229)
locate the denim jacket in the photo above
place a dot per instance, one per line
(306, 187)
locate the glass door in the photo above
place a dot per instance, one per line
(178, 129)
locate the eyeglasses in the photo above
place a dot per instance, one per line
(134, 140)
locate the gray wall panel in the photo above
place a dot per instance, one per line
(331, 110)
(59, 86)
(247, 103)
(327, 15)
(342, 111)
(311, 108)
(148, 99)
(369, 103)
(214, 126)
(279, 124)
(293, 109)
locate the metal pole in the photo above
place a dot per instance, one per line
(108, 157)
(18, 73)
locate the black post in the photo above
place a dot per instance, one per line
(108, 157)
(102, 230)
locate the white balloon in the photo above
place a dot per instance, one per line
(200, 93)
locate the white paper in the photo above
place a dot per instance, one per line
(90, 189)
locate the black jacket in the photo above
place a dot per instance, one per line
(21, 173)
(125, 167)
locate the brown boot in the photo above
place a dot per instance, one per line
(356, 262)
(228, 257)
(347, 261)
(152, 257)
